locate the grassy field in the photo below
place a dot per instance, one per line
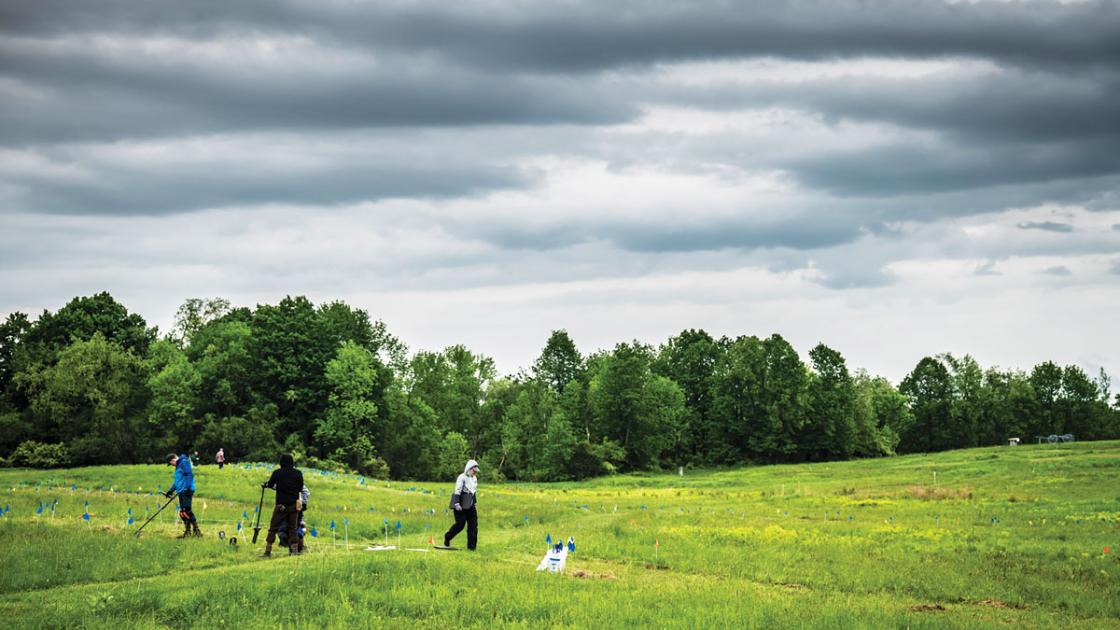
(967, 539)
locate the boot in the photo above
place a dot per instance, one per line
(197, 531)
(186, 530)
(293, 550)
(267, 550)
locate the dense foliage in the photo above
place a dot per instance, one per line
(93, 384)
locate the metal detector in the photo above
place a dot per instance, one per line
(257, 527)
(150, 518)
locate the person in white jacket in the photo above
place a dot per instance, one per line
(464, 503)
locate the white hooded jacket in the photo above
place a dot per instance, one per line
(466, 487)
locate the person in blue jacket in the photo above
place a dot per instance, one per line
(184, 485)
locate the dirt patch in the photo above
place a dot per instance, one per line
(586, 575)
(928, 608)
(659, 566)
(926, 493)
(792, 586)
(995, 603)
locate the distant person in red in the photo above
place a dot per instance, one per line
(220, 458)
(287, 481)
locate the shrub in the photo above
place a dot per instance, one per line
(34, 454)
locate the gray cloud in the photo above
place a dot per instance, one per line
(1058, 270)
(164, 178)
(566, 36)
(987, 268)
(1049, 226)
(77, 94)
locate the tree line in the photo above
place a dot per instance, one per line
(93, 384)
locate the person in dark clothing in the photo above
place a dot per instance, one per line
(463, 502)
(184, 485)
(287, 481)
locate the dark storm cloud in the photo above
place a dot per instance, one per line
(990, 103)
(797, 231)
(1036, 125)
(74, 94)
(1049, 226)
(909, 168)
(567, 36)
(113, 184)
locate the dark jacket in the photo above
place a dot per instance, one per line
(288, 483)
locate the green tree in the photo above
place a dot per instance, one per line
(222, 355)
(453, 454)
(175, 387)
(79, 320)
(929, 389)
(968, 400)
(830, 430)
(346, 431)
(1046, 381)
(634, 407)
(559, 363)
(454, 384)
(92, 400)
(13, 329)
(194, 314)
(1079, 404)
(290, 350)
(690, 359)
(882, 415)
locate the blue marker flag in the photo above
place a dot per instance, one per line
(245, 514)
(238, 526)
(314, 533)
(130, 511)
(40, 509)
(332, 524)
(85, 517)
(87, 504)
(548, 539)
(346, 522)
(130, 520)
(386, 520)
(571, 545)
(398, 526)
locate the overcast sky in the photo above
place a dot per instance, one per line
(894, 178)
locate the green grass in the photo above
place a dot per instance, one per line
(1000, 536)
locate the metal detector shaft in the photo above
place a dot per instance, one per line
(150, 518)
(257, 527)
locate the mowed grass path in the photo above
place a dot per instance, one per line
(966, 539)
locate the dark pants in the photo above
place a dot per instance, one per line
(220, 464)
(464, 518)
(185, 512)
(281, 514)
